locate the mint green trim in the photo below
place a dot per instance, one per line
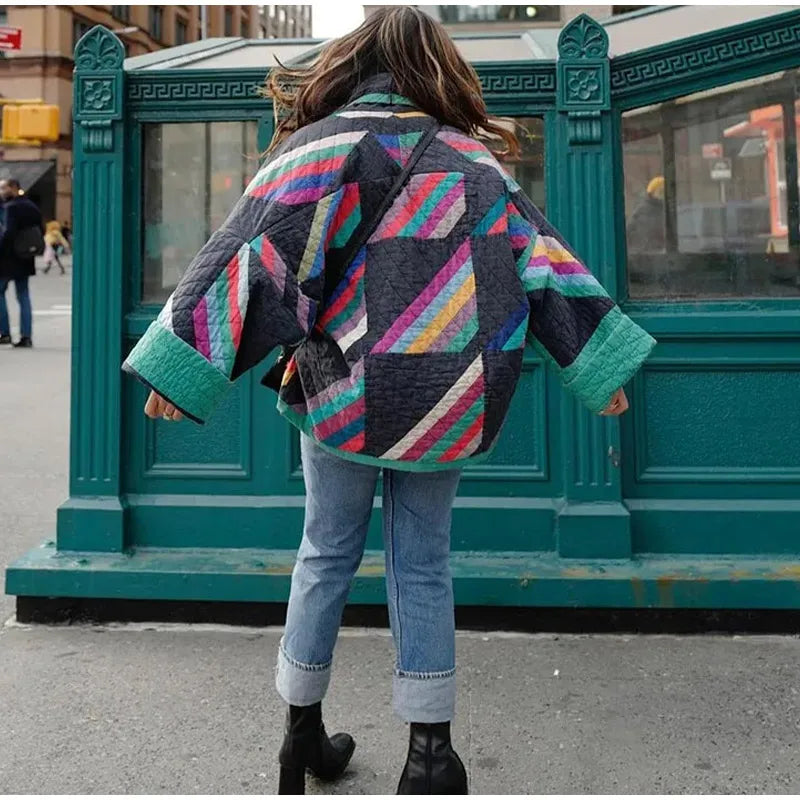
(381, 98)
(304, 425)
(608, 361)
(178, 372)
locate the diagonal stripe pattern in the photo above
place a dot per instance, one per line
(345, 318)
(443, 317)
(219, 316)
(306, 173)
(453, 427)
(429, 207)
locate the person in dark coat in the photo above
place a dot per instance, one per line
(18, 215)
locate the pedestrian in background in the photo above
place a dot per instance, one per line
(55, 243)
(21, 241)
(389, 247)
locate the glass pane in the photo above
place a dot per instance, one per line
(707, 209)
(496, 13)
(193, 175)
(528, 169)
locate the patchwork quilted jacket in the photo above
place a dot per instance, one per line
(411, 353)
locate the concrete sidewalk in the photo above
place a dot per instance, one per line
(179, 710)
(160, 709)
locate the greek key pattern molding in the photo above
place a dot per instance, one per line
(145, 89)
(535, 82)
(531, 82)
(630, 74)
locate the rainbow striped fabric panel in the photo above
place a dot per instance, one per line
(345, 317)
(304, 174)
(444, 316)
(218, 316)
(427, 208)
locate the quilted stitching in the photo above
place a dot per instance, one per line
(412, 352)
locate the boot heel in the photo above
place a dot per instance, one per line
(292, 780)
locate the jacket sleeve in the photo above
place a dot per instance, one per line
(255, 285)
(594, 348)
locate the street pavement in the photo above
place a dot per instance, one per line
(34, 421)
(164, 709)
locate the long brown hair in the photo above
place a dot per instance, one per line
(405, 42)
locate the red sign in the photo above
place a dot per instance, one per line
(10, 38)
(712, 150)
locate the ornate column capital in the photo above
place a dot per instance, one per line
(98, 88)
(584, 78)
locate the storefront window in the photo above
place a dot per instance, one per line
(710, 209)
(194, 174)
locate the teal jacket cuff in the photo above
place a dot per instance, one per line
(175, 370)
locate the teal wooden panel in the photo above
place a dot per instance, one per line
(715, 417)
(724, 527)
(219, 449)
(220, 521)
(722, 423)
(520, 460)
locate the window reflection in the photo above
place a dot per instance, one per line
(194, 174)
(710, 211)
(528, 168)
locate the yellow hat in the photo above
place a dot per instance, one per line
(656, 187)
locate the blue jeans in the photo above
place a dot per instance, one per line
(417, 511)
(24, 300)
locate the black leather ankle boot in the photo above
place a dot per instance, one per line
(432, 767)
(307, 746)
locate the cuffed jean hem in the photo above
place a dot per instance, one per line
(301, 684)
(425, 697)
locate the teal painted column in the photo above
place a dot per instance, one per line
(593, 522)
(94, 517)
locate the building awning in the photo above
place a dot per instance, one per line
(28, 173)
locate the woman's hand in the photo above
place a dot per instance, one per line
(617, 406)
(156, 406)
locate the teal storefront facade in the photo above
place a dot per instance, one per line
(673, 171)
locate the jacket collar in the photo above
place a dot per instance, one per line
(378, 89)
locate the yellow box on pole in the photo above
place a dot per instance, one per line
(38, 122)
(11, 122)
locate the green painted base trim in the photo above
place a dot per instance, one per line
(95, 524)
(507, 579)
(594, 530)
(732, 528)
(210, 521)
